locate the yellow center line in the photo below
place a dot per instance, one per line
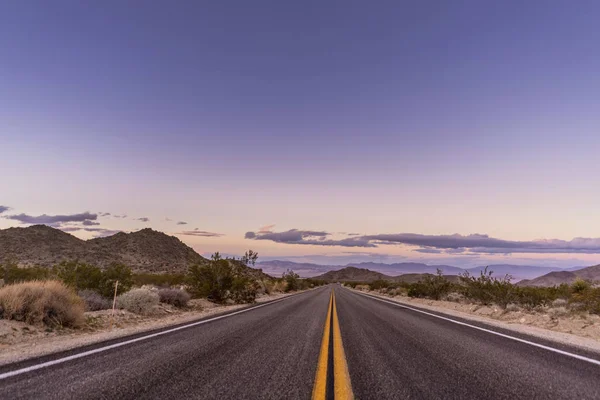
(342, 389)
(320, 388)
(341, 376)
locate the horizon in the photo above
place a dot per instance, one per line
(457, 134)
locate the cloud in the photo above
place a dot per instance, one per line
(143, 219)
(435, 244)
(266, 229)
(100, 232)
(104, 214)
(121, 216)
(87, 222)
(197, 232)
(4, 209)
(296, 236)
(181, 223)
(53, 220)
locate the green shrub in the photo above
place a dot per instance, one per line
(213, 280)
(487, 289)
(292, 280)
(431, 286)
(116, 272)
(175, 297)
(138, 301)
(12, 273)
(243, 290)
(79, 276)
(379, 284)
(49, 302)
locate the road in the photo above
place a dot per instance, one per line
(315, 345)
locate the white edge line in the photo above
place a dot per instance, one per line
(541, 346)
(127, 342)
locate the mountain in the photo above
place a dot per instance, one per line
(278, 267)
(144, 251)
(558, 277)
(409, 268)
(414, 278)
(353, 274)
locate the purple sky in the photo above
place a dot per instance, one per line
(377, 118)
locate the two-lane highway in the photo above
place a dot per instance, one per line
(330, 342)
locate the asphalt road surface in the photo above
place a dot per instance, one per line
(292, 349)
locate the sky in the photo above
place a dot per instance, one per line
(463, 132)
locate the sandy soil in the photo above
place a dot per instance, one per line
(578, 329)
(19, 341)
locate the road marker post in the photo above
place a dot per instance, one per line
(112, 315)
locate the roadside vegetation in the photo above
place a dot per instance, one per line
(485, 289)
(58, 296)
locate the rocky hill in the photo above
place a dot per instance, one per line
(556, 278)
(144, 251)
(353, 274)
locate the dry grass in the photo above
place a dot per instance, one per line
(42, 302)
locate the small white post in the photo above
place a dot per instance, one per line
(112, 316)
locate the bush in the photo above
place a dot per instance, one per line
(12, 273)
(432, 287)
(49, 302)
(292, 280)
(175, 297)
(138, 301)
(487, 289)
(116, 272)
(212, 280)
(79, 276)
(94, 301)
(243, 290)
(379, 284)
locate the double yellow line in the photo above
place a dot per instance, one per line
(342, 389)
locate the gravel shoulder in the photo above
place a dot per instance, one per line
(576, 329)
(20, 341)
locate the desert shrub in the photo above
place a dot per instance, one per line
(79, 276)
(138, 301)
(533, 297)
(278, 286)
(115, 272)
(557, 312)
(379, 284)
(580, 286)
(243, 290)
(212, 280)
(12, 273)
(487, 289)
(49, 302)
(159, 280)
(94, 301)
(588, 299)
(292, 280)
(560, 303)
(175, 297)
(431, 286)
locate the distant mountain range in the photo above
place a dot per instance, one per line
(558, 277)
(518, 272)
(365, 275)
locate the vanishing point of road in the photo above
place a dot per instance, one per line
(326, 343)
